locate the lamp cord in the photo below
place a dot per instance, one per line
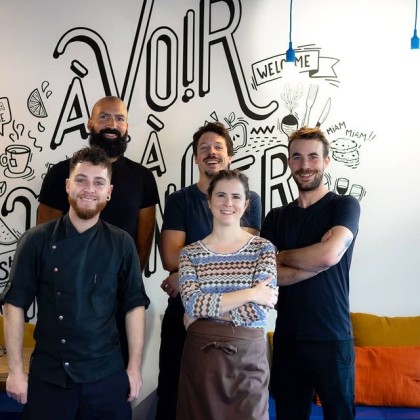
(290, 24)
(415, 17)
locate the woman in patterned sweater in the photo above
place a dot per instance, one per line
(227, 285)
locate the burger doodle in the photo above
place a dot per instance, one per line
(345, 150)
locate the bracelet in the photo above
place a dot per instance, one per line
(173, 271)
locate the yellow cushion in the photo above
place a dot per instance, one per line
(373, 330)
(388, 376)
(270, 338)
(28, 334)
(270, 345)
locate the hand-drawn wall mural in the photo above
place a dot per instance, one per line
(181, 68)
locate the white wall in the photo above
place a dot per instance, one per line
(374, 88)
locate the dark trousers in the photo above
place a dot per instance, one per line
(100, 400)
(304, 367)
(171, 346)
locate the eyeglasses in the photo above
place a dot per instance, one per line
(3, 351)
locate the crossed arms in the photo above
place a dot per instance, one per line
(295, 265)
(172, 242)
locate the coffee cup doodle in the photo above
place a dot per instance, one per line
(16, 159)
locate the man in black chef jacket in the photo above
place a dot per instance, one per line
(76, 267)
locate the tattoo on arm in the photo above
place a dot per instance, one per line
(347, 242)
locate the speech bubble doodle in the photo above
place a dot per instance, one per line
(5, 114)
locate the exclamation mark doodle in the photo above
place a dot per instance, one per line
(371, 136)
(189, 46)
(188, 56)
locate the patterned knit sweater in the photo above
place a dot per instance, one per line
(205, 275)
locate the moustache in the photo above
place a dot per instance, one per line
(110, 131)
(126, 138)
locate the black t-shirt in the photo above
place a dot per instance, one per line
(134, 188)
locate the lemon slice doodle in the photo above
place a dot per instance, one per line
(7, 237)
(35, 105)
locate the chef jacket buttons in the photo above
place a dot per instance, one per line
(54, 246)
(66, 364)
(60, 317)
(63, 341)
(55, 269)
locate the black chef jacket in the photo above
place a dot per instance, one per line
(76, 279)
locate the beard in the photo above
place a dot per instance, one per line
(309, 186)
(210, 173)
(112, 147)
(86, 214)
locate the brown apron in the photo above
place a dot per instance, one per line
(224, 373)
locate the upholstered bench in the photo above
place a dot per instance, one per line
(387, 368)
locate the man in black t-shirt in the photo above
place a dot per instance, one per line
(133, 204)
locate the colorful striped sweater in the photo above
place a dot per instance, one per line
(205, 275)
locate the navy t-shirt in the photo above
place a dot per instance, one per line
(316, 308)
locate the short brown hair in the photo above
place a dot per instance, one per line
(94, 155)
(214, 127)
(307, 133)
